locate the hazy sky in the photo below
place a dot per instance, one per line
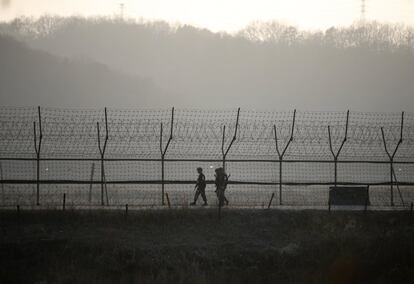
(229, 15)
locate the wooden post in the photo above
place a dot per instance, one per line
(329, 205)
(168, 200)
(271, 198)
(3, 198)
(64, 202)
(106, 191)
(91, 183)
(366, 200)
(126, 210)
(398, 187)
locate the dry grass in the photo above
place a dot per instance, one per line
(193, 246)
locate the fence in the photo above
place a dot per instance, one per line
(112, 157)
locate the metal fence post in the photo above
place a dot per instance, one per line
(102, 150)
(225, 152)
(391, 183)
(222, 147)
(282, 154)
(38, 147)
(162, 167)
(38, 176)
(336, 155)
(392, 156)
(163, 152)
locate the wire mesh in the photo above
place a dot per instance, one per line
(123, 165)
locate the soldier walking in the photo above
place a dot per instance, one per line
(221, 185)
(200, 187)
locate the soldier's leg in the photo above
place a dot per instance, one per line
(225, 199)
(221, 196)
(197, 193)
(203, 195)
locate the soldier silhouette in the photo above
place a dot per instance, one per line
(221, 185)
(200, 187)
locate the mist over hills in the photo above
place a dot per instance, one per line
(31, 77)
(265, 66)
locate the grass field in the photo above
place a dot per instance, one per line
(193, 246)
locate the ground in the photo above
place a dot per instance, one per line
(194, 246)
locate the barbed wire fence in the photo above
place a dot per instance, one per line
(112, 157)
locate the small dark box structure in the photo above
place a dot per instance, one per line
(349, 195)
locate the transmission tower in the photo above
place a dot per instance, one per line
(363, 10)
(121, 10)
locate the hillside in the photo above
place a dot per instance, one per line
(265, 66)
(34, 77)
